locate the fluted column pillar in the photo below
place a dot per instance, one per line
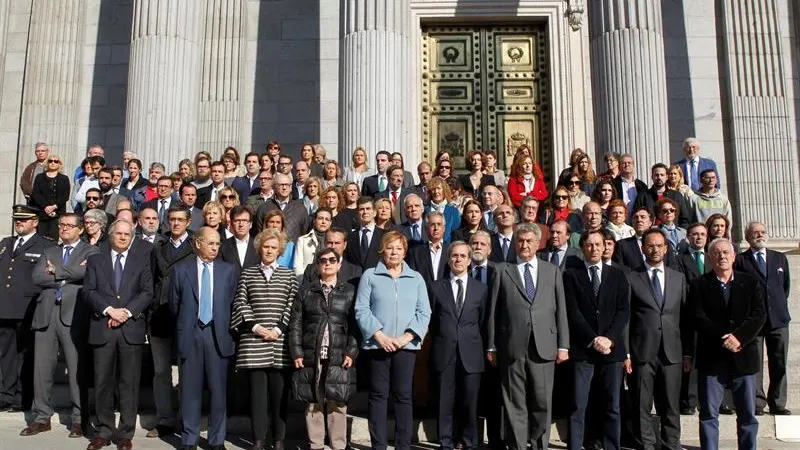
(629, 80)
(764, 149)
(376, 79)
(219, 92)
(52, 85)
(164, 79)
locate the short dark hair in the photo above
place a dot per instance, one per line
(178, 208)
(136, 161)
(608, 235)
(585, 235)
(364, 199)
(324, 251)
(252, 154)
(650, 231)
(340, 230)
(383, 152)
(78, 218)
(106, 170)
(164, 177)
(242, 209)
(645, 209)
(96, 159)
(186, 186)
(324, 209)
(217, 163)
(659, 166)
(695, 225)
(707, 171)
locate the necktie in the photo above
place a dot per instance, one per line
(364, 244)
(490, 220)
(213, 194)
(479, 273)
(554, 259)
(424, 193)
(657, 288)
(18, 247)
(700, 262)
(205, 296)
(530, 289)
(695, 181)
(118, 271)
(162, 212)
(595, 280)
(381, 183)
(459, 296)
(672, 234)
(394, 196)
(415, 232)
(762, 264)
(64, 259)
(505, 248)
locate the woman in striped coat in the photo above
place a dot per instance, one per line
(261, 311)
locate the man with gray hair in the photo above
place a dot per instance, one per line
(414, 226)
(771, 268)
(41, 150)
(294, 211)
(429, 258)
(528, 334)
(693, 165)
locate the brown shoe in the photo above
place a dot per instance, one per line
(75, 431)
(124, 444)
(35, 429)
(98, 443)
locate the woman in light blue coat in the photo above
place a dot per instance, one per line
(392, 311)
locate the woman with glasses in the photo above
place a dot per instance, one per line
(474, 181)
(490, 168)
(559, 207)
(323, 345)
(612, 166)
(229, 198)
(276, 220)
(94, 227)
(577, 197)
(50, 194)
(232, 160)
(261, 312)
(444, 170)
(565, 175)
(359, 169)
(309, 243)
(667, 213)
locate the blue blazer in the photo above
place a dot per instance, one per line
(703, 164)
(242, 186)
(184, 301)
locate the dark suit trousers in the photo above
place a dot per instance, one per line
(269, 391)
(528, 398)
(455, 382)
(117, 352)
(610, 377)
(660, 382)
(777, 342)
(391, 372)
(198, 363)
(491, 406)
(161, 350)
(15, 339)
(710, 390)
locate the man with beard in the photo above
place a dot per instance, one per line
(650, 197)
(771, 268)
(87, 182)
(110, 199)
(145, 194)
(202, 180)
(94, 200)
(148, 226)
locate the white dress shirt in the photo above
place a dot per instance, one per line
(521, 269)
(122, 261)
(370, 232)
(454, 284)
(660, 275)
(241, 249)
(436, 257)
(599, 266)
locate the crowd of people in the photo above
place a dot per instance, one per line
(591, 298)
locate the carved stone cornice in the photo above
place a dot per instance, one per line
(575, 12)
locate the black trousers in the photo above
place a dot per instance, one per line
(610, 377)
(16, 363)
(777, 342)
(657, 381)
(454, 382)
(269, 396)
(117, 352)
(491, 406)
(391, 372)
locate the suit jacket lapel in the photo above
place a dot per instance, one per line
(250, 255)
(194, 277)
(584, 280)
(512, 271)
(646, 280)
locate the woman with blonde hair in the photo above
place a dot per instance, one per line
(312, 189)
(585, 173)
(383, 214)
(50, 194)
(676, 182)
(440, 197)
(359, 168)
(276, 220)
(186, 169)
(214, 217)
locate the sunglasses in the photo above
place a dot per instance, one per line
(667, 210)
(562, 197)
(227, 197)
(331, 260)
(54, 161)
(93, 198)
(444, 167)
(573, 183)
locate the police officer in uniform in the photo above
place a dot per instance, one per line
(18, 257)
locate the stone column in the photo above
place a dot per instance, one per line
(629, 80)
(52, 85)
(376, 79)
(163, 107)
(763, 149)
(3, 29)
(220, 108)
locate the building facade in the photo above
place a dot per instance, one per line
(166, 78)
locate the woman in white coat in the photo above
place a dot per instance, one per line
(309, 243)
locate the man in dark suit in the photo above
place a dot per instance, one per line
(59, 273)
(626, 184)
(374, 184)
(629, 250)
(650, 197)
(525, 294)
(429, 259)
(771, 268)
(166, 198)
(335, 238)
(660, 336)
(147, 228)
(18, 257)
(397, 194)
(118, 287)
(692, 263)
(503, 239)
(238, 249)
(459, 307)
(558, 250)
(248, 184)
(202, 335)
(729, 312)
(188, 197)
(414, 228)
(176, 247)
(597, 298)
(364, 242)
(302, 172)
(294, 211)
(424, 172)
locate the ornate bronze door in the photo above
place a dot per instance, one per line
(485, 88)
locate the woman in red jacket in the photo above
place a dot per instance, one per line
(526, 179)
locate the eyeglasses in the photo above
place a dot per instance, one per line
(573, 183)
(444, 167)
(227, 197)
(241, 221)
(67, 226)
(165, 186)
(92, 198)
(90, 222)
(264, 179)
(562, 197)
(331, 260)
(54, 161)
(667, 210)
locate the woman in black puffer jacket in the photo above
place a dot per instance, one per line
(323, 345)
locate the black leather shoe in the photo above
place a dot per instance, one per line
(257, 445)
(687, 411)
(780, 412)
(189, 447)
(725, 410)
(217, 447)
(278, 445)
